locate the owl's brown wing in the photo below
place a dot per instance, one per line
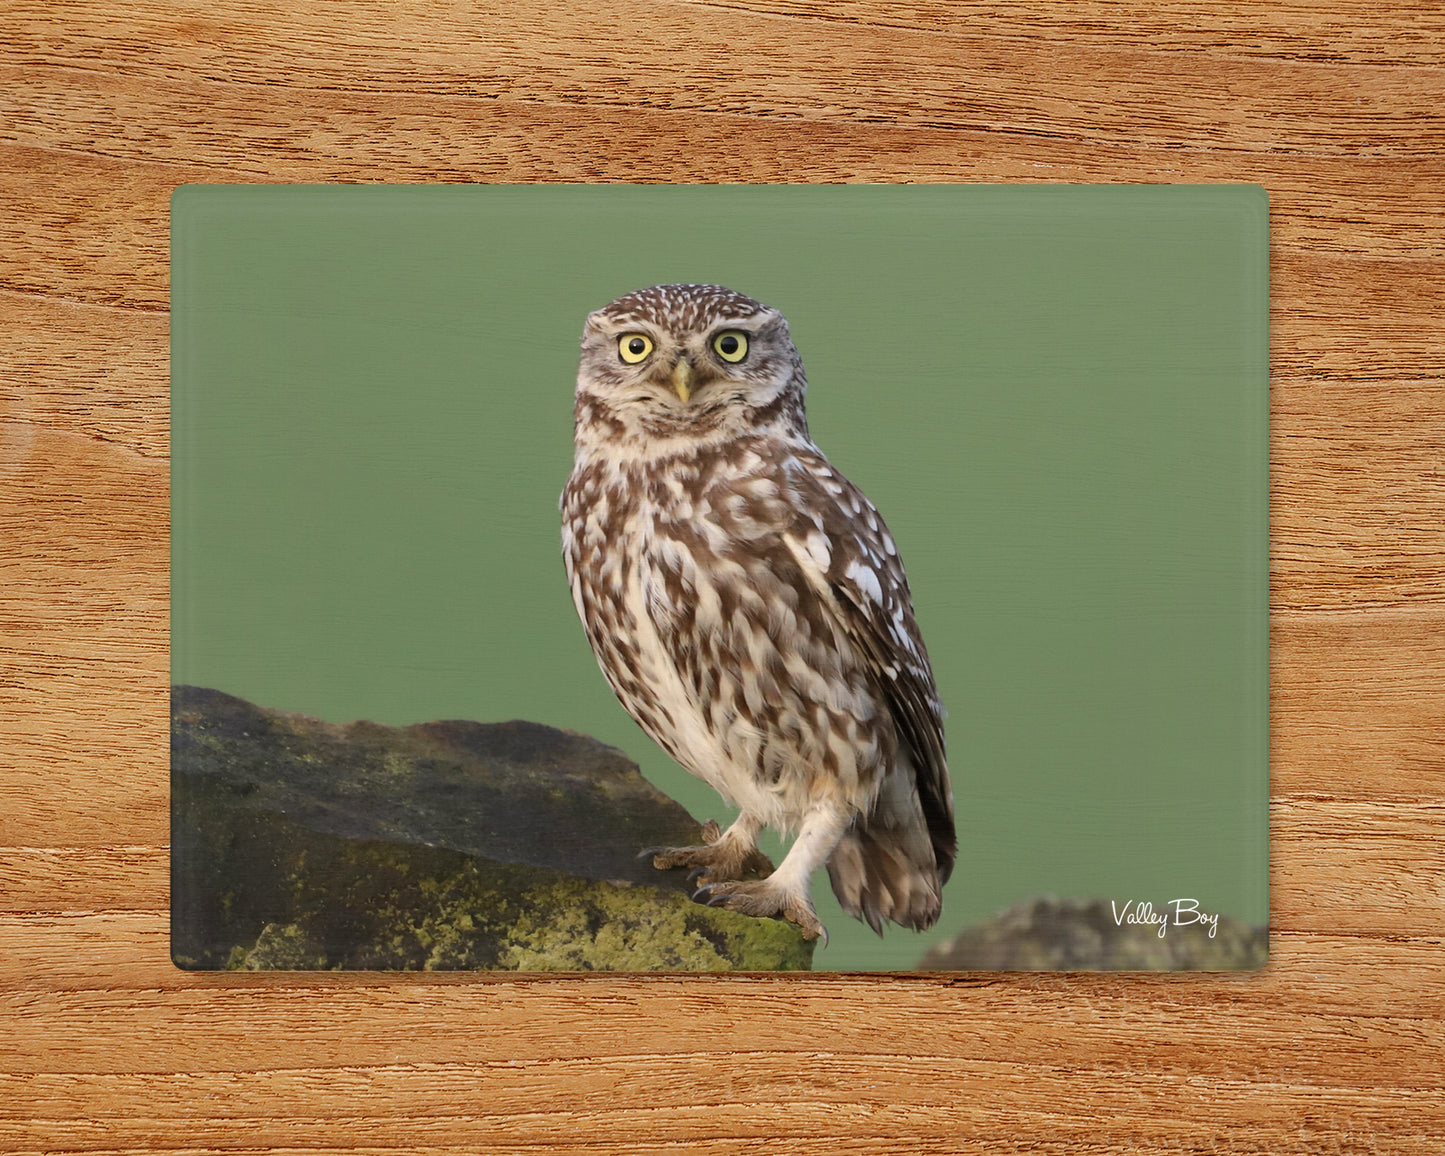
(838, 528)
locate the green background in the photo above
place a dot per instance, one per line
(1057, 396)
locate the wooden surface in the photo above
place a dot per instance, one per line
(1337, 1047)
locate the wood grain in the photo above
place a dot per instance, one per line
(1335, 107)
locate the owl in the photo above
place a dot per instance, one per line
(749, 608)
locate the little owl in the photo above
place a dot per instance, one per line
(750, 610)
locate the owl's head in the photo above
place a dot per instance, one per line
(679, 361)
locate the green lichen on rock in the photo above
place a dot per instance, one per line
(283, 947)
(576, 926)
(301, 845)
(387, 911)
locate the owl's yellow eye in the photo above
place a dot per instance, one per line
(731, 345)
(634, 347)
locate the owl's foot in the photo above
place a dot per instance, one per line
(720, 858)
(764, 898)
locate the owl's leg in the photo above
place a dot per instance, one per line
(785, 893)
(723, 855)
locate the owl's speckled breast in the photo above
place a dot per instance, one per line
(699, 593)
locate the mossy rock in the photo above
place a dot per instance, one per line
(302, 845)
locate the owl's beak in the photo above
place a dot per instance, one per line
(682, 378)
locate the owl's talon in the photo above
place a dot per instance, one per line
(716, 860)
(762, 899)
(709, 895)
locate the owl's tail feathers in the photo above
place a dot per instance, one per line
(884, 868)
